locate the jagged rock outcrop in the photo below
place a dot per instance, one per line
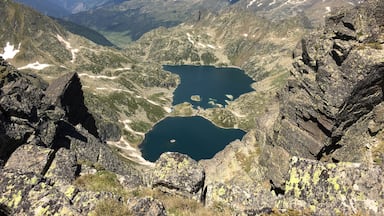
(66, 93)
(338, 78)
(178, 173)
(46, 135)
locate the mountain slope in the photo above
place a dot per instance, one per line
(85, 32)
(117, 86)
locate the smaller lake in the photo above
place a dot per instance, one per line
(194, 136)
(212, 85)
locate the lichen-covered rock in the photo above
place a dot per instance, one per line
(242, 198)
(63, 168)
(30, 158)
(334, 189)
(177, 173)
(30, 194)
(146, 207)
(46, 200)
(86, 201)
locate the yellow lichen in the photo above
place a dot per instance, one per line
(316, 176)
(333, 181)
(42, 210)
(70, 191)
(221, 191)
(293, 182)
(16, 199)
(312, 208)
(330, 166)
(34, 180)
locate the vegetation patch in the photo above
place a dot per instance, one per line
(112, 208)
(101, 181)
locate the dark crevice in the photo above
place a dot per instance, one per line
(344, 37)
(204, 196)
(349, 26)
(263, 211)
(338, 59)
(51, 156)
(4, 210)
(277, 190)
(78, 170)
(326, 150)
(169, 186)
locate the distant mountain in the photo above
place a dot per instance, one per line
(49, 8)
(62, 8)
(124, 21)
(280, 9)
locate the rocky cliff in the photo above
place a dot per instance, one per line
(47, 137)
(336, 84)
(324, 151)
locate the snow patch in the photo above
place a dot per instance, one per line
(128, 128)
(167, 109)
(122, 69)
(10, 51)
(35, 66)
(328, 10)
(132, 153)
(98, 76)
(251, 3)
(114, 89)
(202, 45)
(190, 39)
(68, 47)
(211, 46)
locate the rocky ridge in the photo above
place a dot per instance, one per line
(130, 95)
(327, 137)
(44, 139)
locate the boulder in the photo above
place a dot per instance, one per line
(248, 199)
(63, 168)
(30, 158)
(179, 174)
(334, 189)
(146, 206)
(87, 201)
(30, 194)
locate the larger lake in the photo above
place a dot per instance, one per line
(213, 85)
(194, 136)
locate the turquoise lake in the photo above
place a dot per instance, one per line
(194, 136)
(213, 85)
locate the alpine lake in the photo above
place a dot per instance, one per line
(203, 87)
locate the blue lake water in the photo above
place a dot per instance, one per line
(194, 136)
(210, 83)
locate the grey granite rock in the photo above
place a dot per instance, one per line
(178, 173)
